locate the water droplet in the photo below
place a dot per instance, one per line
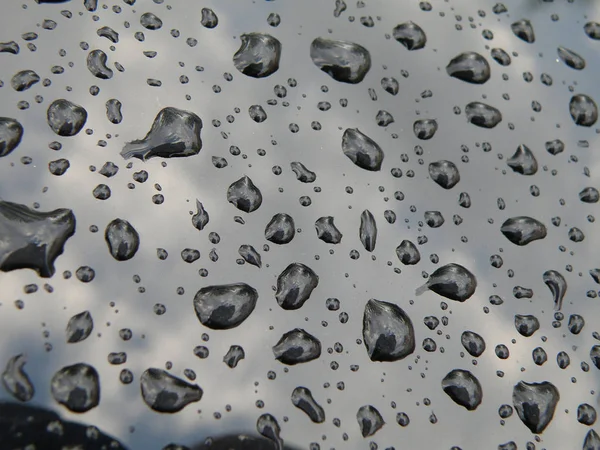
(11, 133)
(23, 80)
(362, 150)
(522, 230)
(200, 219)
(410, 35)
(244, 195)
(369, 420)
(425, 129)
(452, 281)
(280, 229)
(388, 332)
(473, 343)
(257, 113)
(258, 55)
(166, 393)
(482, 115)
(407, 253)
(343, 61)
(76, 387)
(570, 58)
(535, 404)
(583, 109)
(297, 346)
(113, 111)
(79, 327)
(123, 240)
(295, 285)
(526, 325)
(150, 21)
(303, 399)
(268, 426)
(384, 118)
(250, 255)
(15, 379)
(209, 18)
(225, 306)
(96, 64)
(592, 29)
(501, 57)
(66, 118)
(555, 147)
(390, 85)
(434, 219)
(523, 161)
(302, 173)
(463, 388)
(523, 30)
(368, 230)
(557, 285)
(327, 231)
(444, 173)
(470, 67)
(233, 356)
(174, 133)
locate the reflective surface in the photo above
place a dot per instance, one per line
(357, 225)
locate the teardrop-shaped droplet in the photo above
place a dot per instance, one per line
(343, 61)
(209, 18)
(583, 110)
(522, 230)
(113, 111)
(463, 388)
(244, 195)
(303, 399)
(434, 219)
(297, 346)
(407, 253)
(369, 420)
(523, 30)
(410, 35)
(15, 379)
(23, 80)
(570, 58)
(535, 403)
(11, 133)
(483, 115)
(96, 64)
(233, 356)
(388, 332)
(362, 150)
(523, 161)
(327, 231)
(473, 343)
(268, 426)
(9, 47)
(383, 118)
(66, 118)
(280, 229)
(592, 440)
(225, 306)
(557, 285)
(201, 218)
(444, 173)
(250, 255)
(452, 281)
(175, 133)
(368, 230)
(470, 67)
(295, 285)
(123, 240)
(258, 55)
(302, 173)
(79, 327)
(526, 324)
(166, 393)
(425, 129)
(76, 387)
(589, 195)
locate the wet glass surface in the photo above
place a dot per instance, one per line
(318, 224)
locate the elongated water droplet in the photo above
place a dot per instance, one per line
(570, 58)
(66, 118)
(327, 231)
(583, 109)
(295, 285)
(23, 80)
(250, 255)
(166, 393)
(225, 306)
(368, 230)
(109, 34)
(123, 240)
(11, 133)
(280, 229)
(369, 420)
(244, 195)
(470, 67)
(463, 388)
(76, 387)
(303, 399)
(200, 219)
(444, 173)
(297, 346)
(362, 150)
(410, 35)
(388, 332)
(174, 133)
(16, 381)
(407, 253)
(523, 161)
(526, 325)
(96, 64)
(79, 327)
(473, 343)
(535, 404)
(343, 61)
(268, 426)
(523, 30)
(522, 230)
(557, 285)
(483, 115)
(501, 57)
(258, 55)
(452, 281)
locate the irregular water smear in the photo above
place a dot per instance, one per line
(410, 35)
(295, 285)
(343, 61)
(175, 133)
(79, 327)
(470, 67)
(368, 230)
(16, 381)
(557, 285)
(258, 55)
(297, 346)
(526, 325)
(362, 150)
(570, 58)
(327, 231)
(303, 399)
(452, 281)
(244, 195)
(535, 404)
(122, 239)
(166, 393)
(463, 388)
(280, 229)
(225, 306)
(11, 133)
(583, 110)
(523, 161)
(369, 420)
(31, 239)
(522, 230)
(66, 118)
(483, 115)
(76, 387)
(302, 173)
(388, 332)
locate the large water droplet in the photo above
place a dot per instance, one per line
(473, 343)
(303, 399)
(470, 67)
(166, 393)
(444, 173)
(410, 35)
(79, 327)
(96, 64)
(244, 195)
(258, 55)
(482, 115)
(123, 240)
(31, 239)
(76, 387)
(297, 346)
(570, 58)
(535, 403)
(174, 133)
(388, 332)
(280, 229)
(523, 161)
(295, 285)
(65, 117)
(369, 420)
(23, 80)
(343, 61)
(15, 379)
(302, 173)
(523, 30)
(362, 150)
(452, 281)
(463, 388)
(225, 306)
(327, 231)
(268, 426)
(522, 230)
(583, 110)
(11, 133)
(557, 285)
(368, 230)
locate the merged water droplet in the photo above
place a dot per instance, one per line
(362, 150)
(368, 230)
(523, 161)
(76, 387)
(522, 230)
(388, 332)
(79, 327)
(327, 231)
(583, 110)
(250, 255)
(463, 388)
(16, 381)
(483, 115)
(303, 399)
(96, 64)
(32, 239)
(166, 393)
(343, 61)
(11, 133)
(295, 285)
(535, 404)
(473, 343)
(280, 229)
(222, 307)
(444, 173)
(410, 35)
(302, 173)
(570, 58)
(123, 240)
(23, 80)
(175, 133)
(452, 281)
(557, 285)
(66, 118)
(470, 67)
(369, 420)
(244, 195)
(297, 346)
(258, 55)
(523, 30)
